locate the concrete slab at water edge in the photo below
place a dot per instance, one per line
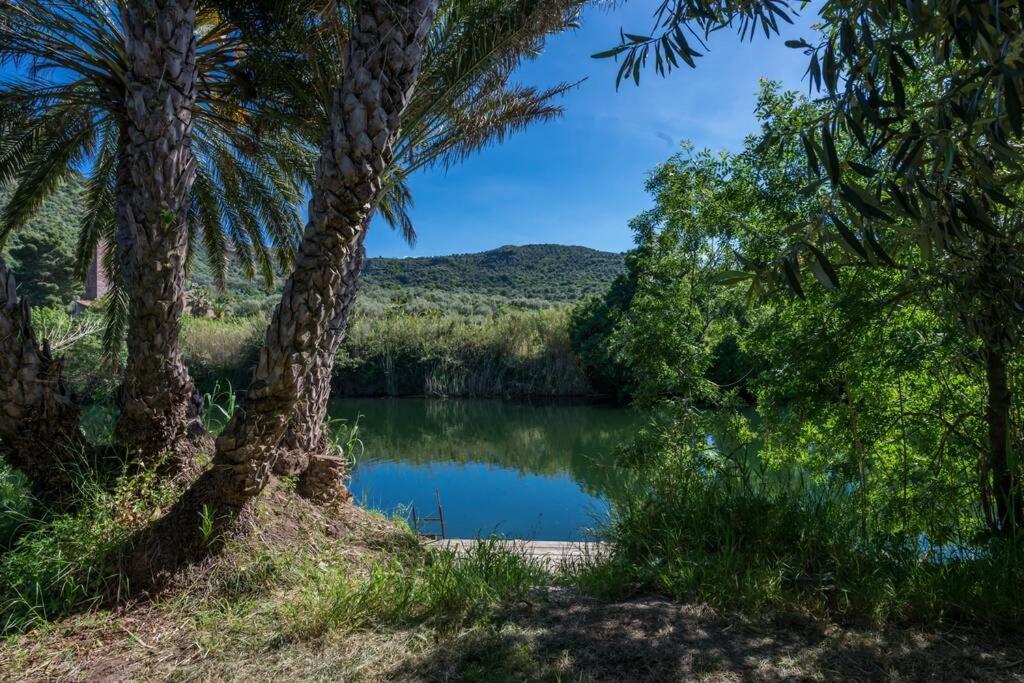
(551, 552)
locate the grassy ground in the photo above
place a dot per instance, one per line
(348, 595)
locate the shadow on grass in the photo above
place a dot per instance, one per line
(656, 641)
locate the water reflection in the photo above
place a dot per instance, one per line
(542, 471)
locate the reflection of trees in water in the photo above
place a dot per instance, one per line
(540, 439)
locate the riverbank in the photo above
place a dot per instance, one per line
(350, 597)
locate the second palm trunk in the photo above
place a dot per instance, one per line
(384, 55)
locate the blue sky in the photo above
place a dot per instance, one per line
(580, 179)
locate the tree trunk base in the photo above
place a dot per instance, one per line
(202, 520)
(292, 462)
(323, 482)
(175, 454)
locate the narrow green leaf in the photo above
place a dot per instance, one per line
(848, 238)
(822, 268)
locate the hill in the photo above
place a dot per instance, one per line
(527, 276)
(551, 272)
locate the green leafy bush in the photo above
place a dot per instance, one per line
(67, 561)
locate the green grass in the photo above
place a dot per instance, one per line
(56, 563)
(440, 588)
(703, 528)
(64, 561)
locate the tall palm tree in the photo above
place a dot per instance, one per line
(462, 101)
(146, 99)
(156, 169)
(384, 54)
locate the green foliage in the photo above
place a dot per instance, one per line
(864, 486)
(591, 326)
(478, 285)
(219, 406)
(48, 265)
(68, 560)
(445, 588)
(394, 353)
(78, 341)
(15, 505)
(517, 354)
(710, 523)
(548, 272)
(222, 351)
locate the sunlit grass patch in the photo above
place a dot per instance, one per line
(441, 587)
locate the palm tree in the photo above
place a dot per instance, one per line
(384, 58)
(462, 102)
(155, 190)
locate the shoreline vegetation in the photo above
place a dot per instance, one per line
(520, 354)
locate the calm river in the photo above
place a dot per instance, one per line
(531, 471)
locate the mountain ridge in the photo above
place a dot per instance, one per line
(42, 256)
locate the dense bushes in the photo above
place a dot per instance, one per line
(867, 485)
(712, 524)
(519, 354)
(222, 350)
(50, 563)
(400, 354)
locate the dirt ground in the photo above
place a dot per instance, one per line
(563, 637)
(573, 638)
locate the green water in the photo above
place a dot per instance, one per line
(533, 471)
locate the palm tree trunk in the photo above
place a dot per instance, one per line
(159, 404)
(383, 59)
(305, 437)
(39, 418)
(1005, 476)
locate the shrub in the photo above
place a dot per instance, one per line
(221, 350)
(514, 354)
(712, 526)
(68, 561)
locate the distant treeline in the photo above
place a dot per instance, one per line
(520, 278)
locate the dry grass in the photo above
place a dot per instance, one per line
(559, 638)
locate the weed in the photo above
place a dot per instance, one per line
(206, 524)
(66, 561)
(702, 528)
(219, 406)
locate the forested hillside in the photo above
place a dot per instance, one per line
(553, 272)
(522, 276)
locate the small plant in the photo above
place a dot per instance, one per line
(206, 524)
(345, 437)
(219, 407)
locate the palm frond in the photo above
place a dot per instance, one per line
(98, 221)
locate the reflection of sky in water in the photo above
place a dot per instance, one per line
(540, 472)
(480, 499)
